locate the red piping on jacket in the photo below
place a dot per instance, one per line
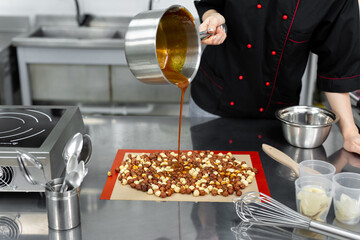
(212, 80)
(338, 78)
(282, 52)
(297, 41)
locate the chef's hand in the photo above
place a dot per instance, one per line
(212, 21)
(340, 103)
(352, 142)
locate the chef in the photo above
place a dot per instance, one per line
(256, 68)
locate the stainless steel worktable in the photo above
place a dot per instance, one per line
(103, 219)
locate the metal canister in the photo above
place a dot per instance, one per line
(142, 41)
(63, 208)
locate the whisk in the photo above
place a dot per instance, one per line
(249, 231)
(258, 208)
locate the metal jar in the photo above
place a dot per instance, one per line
(140, 46)
(63, 208)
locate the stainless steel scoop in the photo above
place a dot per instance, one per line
(73, 147)
(32, 159)
(86, 150)
(28, 177)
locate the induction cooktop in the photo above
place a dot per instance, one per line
(40, 130)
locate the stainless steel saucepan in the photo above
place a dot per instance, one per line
(152, 36)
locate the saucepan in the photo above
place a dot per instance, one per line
(164, 39)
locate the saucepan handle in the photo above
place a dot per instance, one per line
(205, 34)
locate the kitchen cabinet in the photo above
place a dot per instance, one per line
(10, 26)
(95, 84)
(70, 83)
(126, 88)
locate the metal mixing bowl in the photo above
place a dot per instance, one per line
(305, 126)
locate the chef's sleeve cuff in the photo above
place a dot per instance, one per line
(341, 85)
(203, 6)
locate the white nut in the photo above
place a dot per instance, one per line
(196, 193)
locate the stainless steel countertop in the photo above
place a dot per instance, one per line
(103, 219)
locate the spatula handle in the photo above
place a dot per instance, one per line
(281, 157)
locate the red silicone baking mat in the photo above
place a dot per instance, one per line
(113, 190)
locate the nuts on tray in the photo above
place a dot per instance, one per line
(194, 172)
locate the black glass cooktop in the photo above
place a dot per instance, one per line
(27, 127)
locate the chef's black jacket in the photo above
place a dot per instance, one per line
(258, 68)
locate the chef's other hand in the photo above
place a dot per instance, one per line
(352, 142)
(212, 22)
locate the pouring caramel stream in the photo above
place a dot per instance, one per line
(171, 49)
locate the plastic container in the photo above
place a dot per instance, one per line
(313, 196)
(316, 167)
(63, 208)
(347, 197)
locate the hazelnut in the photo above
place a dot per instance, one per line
(109, 173)
(163, 195)
(214, 192)
(117, 169)
(238, 193)
(144, 187)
